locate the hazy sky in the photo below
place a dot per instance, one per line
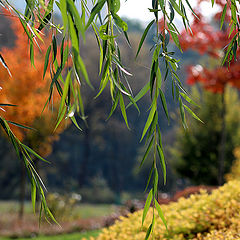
(136, 9)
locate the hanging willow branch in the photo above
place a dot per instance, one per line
(39, 16)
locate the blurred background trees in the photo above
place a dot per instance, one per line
(97, 158)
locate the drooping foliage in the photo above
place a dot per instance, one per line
(39, 14)
(195, 152)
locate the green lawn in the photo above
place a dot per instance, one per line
(72, 236)
(83, 210)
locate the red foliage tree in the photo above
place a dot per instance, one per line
(210, 40)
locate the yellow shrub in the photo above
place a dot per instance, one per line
(200, 217)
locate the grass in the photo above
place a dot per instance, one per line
(83, 210)
(72, 236)
(94, 210)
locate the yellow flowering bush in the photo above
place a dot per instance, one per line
(201, 217)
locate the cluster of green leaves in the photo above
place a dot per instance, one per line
(39, 14)
(231, 48)
(163, 65)
(24, 153)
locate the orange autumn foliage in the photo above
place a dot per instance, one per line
(28, 91)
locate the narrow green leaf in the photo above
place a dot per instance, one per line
(188, 99)
(160, 213)
(142, 92)
(150, 119)
(60, 118)
(32, 54)
(223, 16)
(115, 6)
(149, 178)
(63, 9)
(144, 36)
(149, 231)
(182, 112)
(75, 122)
(155, 183)
(54, 45)
(96, 9)
(164, 104)
(176, 7)
(153, 126)
(46, 61)
(174, 36)
(76, 17)
(34, 153)
(20, 125)
(147, 151)
(162, 162)
(123, 110)
(147, 205)
(65, 92)
(192, 113)
(120, 23)
(7, 105)
(33, 194)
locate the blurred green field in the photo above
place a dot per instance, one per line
(72, 236)
(82, 210)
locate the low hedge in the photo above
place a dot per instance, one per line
(201, 217)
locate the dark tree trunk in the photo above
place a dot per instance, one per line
(222, 145)
(86, 157)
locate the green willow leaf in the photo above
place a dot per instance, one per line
(182, 113)
(34, 153)
(65, 92)
(32, 54)
(20, 125)
(96, 9)
(188, 99)
(192, 113)
(63, 9)
(149, 231)
(46, 61)
(162, 162)
(123, 110)
(164, 104)
(147, 205)
(115, 6)
(120, 23)
(144, 36)
(115, 102)
(75, 15)
(150, 119)
(149, 178)
(142, 93)
(147, 151)
(54, 45)
(160, 213)
(176, 7)
(223, 16)
(174, 36)
(155, 183)
(33, 194)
